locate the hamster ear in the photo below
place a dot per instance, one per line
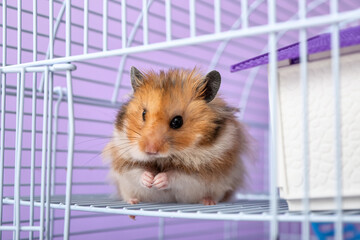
(137, 78)
(212, 80)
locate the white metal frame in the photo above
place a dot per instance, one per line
(55, 65)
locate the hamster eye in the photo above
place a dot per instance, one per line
(143, 114)
(176, 122)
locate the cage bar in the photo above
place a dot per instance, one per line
(105, 24)
(304, 87)
(335, 65)
(55, 132)
(51, 29)
(70, 153)
(49, 154)
(217, 16)
(168, 19)
(145, 22)
(3, 106)
(43, 152)
(253, 31)
(273, 92)
(244, 13)
(33, 151)
(123, 23)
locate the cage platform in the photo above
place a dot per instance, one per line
(239, 210)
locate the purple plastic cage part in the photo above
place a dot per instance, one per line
(320, 43)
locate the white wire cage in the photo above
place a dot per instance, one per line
(65, 72)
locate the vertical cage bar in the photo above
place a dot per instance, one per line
(3, 106)
(168, 19)
(105, 24)
(16, 216)
(217, 16)
(227, 230)
(33, 123)
(19, 11)
(86, 25)
(192, 18)
(304, 88)
(70, 128)
(48, 156)
(51, 29)
(48, 152)
(33, 152)
(18, 150)
(145, 22)
(123, 23)
(335, 66)
(161, 228)
(43, 152)
(244, 13)
(68, 28)
(56, 27)
(4, 23)
(53, 156)
(234, 226)
(273, 94)
(70, 156)
(266, 154)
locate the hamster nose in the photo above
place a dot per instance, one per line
(151, 149)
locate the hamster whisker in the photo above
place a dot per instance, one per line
(127, 148)
(120, 146)
(94, 139)
(128, 128)
(124, 146)
(134, 131)
(126, 138)
(126, 151)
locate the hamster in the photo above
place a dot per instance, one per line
(175, 141)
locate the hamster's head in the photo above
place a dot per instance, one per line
(169, 112)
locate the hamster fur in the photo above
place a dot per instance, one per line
(152, 159)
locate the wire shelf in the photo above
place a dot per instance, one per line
(239, 210)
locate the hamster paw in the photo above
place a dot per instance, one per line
(208, 201)
(133, 201)
(147, 179)
(161, 181)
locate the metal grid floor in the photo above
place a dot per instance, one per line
(241, 210)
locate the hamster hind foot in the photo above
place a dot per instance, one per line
(133, 201)
(208, 201)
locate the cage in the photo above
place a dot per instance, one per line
(65, 73)
(320, 125)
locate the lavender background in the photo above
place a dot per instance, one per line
(97, 82)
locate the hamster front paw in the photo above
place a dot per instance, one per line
(161, 181)
(147, 179)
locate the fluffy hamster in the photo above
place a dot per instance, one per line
(174, 141)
